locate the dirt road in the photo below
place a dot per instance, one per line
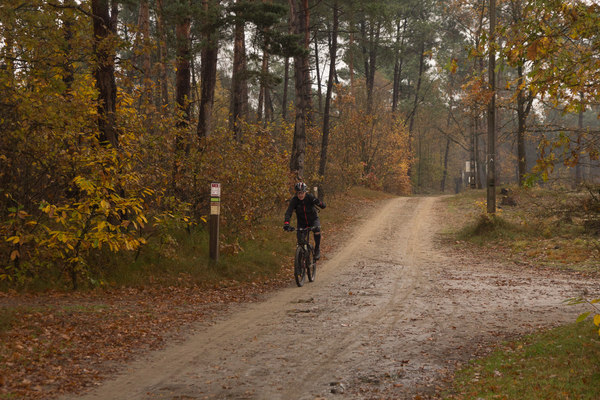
(389, 316)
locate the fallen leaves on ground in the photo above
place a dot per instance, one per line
(65, 342)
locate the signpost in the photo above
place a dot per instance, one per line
(215, 211)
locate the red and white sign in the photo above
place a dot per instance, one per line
(215, 190)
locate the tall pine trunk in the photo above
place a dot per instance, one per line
(208, 71)
(351, 53)
(162, 100)
(263, 85)
(328, 95)
(318, 71)
(302, 79)
(373, 49)
(104, 71)
(398, 66)
(310, 118)
(182, 89)
(286, 73)
(69, 72)
(286, 83)
(142, 47)
(182, 77)
(239, 92)
(416, 104)
(578, 167)
(445, 173)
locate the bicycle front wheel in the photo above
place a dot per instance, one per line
(299, 267)
(311, 265)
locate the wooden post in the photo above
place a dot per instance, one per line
(215, 211)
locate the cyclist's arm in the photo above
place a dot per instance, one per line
(290, 210)
(319, 203)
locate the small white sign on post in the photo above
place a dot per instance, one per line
(215, 190)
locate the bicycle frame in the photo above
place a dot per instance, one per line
(304, 239)
(304, 263)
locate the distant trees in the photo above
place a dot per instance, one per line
(556, 42)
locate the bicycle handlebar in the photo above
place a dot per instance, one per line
(310, 228)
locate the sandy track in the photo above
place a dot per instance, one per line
(390, 315)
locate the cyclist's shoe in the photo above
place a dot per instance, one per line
(317, 253)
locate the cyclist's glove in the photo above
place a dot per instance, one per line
(287, 227)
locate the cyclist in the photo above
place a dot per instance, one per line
(304, 205)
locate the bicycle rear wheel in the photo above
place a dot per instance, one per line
(299, 267)
(311, 265)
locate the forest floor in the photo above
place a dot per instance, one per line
(396, 308)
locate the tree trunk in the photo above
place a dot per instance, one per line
(472, 159)
(69, 74)
(478, 170)
(578, 169)
(263, 85)
(305, 19)
(521, 156)
(163, 98)
(194, 95)
(416, 103)
(286, 74)
(319, 93)
(182, 77)
(398, 67)
(351, 53)
(208, 74)
(445, 173)
(142, 46)
(269, 112)
(373, 47)
(286, 83)
(491, 177)
(182, 88)
(239, 91)
(365, 54)
(300, 23)
(104, 71)
(325, 139)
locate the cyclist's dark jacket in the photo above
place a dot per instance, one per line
(305, 210)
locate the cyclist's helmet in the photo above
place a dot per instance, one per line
(300, 187)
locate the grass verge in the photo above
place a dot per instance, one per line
(561, 363)
(541, 228)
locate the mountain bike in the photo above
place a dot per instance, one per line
(304, 262)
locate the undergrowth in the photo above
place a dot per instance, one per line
(486, 228)
(539, 226)
(181, 257)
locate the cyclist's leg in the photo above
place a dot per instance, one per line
(316, 223)
(300, 234)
